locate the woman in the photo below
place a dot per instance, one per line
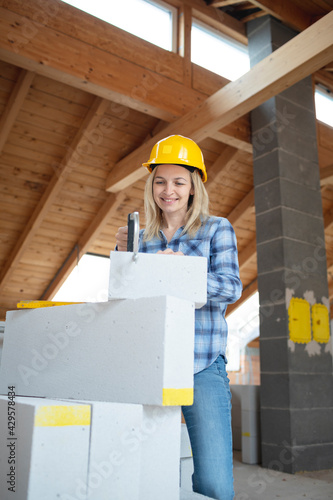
(178, 223)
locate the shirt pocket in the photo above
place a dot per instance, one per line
(199, 248)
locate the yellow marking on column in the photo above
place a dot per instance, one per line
(246, 434)
(59, 416)
(299, 321)
(177, 397)
(320, 323)
(34, 304)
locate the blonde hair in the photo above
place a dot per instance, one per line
(198, 208)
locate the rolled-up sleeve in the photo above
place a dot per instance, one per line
(223, 282)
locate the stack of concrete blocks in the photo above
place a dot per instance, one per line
(98, 387)
(246, 422)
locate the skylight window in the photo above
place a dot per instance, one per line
(152, 21)
(324, 106)
(218, 53)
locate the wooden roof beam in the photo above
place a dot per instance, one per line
(14, 104)
(287, 12)
(246, 205)
(74, 152)
(220, 166)
(141, 85)
(298, 58)
(224, 3)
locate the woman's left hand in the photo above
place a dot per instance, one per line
(168, 251)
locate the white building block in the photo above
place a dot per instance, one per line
(189, 495)
(114, 465)
(134, 453)
(126, 351)
(154, 275)
(186, 471)
(160, 453)
(185, 444)
(251, 397)
(251, 449)
(48, 451)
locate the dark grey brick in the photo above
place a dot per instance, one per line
(274, 358)
(297, 257)
(285, 164)
(273, 317)
(283, 221)
(274, 393)
(311, 390)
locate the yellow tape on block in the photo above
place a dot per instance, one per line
(34, 304)
(320, 323)
(299, 321)
(246, 434)
(177, 397)
(59, 416)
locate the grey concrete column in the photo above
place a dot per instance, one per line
(296, 378)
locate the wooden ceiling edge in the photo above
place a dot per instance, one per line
(286, 65)
(89, 123)
(101, 219)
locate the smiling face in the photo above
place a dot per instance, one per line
(172, 188)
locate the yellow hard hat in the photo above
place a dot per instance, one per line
(177, 150)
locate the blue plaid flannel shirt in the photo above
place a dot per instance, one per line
(215, 240)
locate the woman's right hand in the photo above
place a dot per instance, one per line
(121, 239)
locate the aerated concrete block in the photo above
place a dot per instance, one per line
(250, 397)
(125, 351)
(134, 452)
(186, 471)
(185, 444)
(46, 450)
(160, 453)
(251, 453)
(154, 275)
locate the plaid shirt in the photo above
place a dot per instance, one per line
(215, 240)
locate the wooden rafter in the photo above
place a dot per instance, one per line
(286, 11)
(158, 91)
(225, 3)
(49, 196)
(14, 104)
(326, 175)
(286, 66)
(244, 206)
(220, 166)
(93, 231)
(247, 254)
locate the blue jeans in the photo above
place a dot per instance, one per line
(208, 423)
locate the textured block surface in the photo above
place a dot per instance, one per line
(134, 452)
(39, 450)
(153, 275)
(126, 351)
